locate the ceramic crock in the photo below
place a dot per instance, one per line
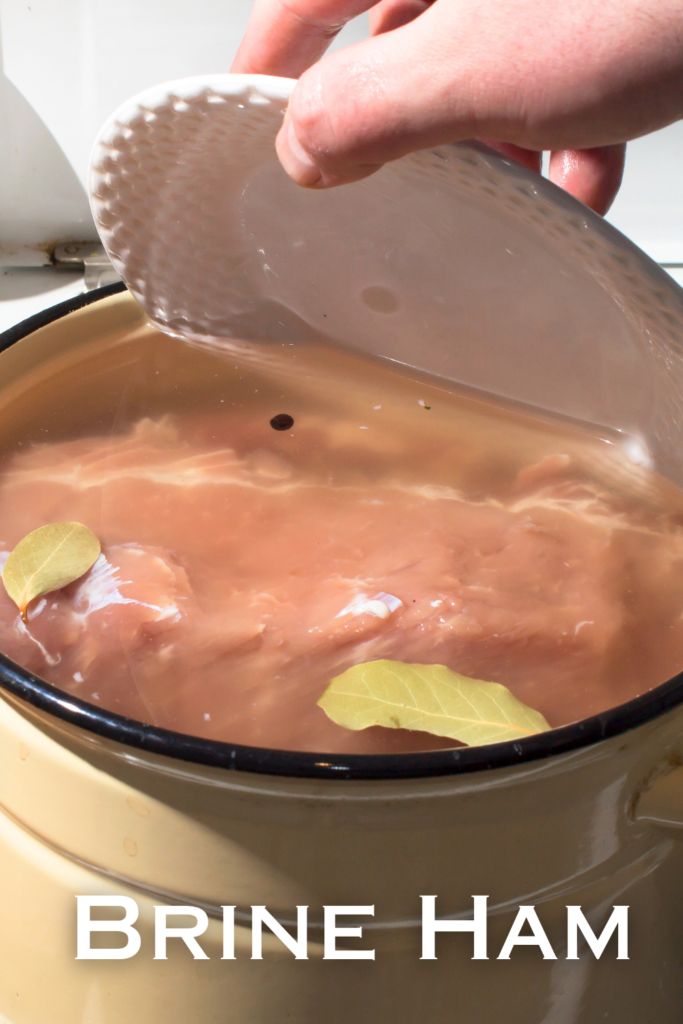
(95, 804)
(471, 270)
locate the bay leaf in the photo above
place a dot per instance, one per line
(47, 559)
(431, 698)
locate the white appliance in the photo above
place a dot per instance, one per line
(65, 64)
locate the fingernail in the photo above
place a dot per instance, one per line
(294, 158)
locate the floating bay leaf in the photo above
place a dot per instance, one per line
(48, 559)
(431, 698)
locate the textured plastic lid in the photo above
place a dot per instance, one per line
(453, 260)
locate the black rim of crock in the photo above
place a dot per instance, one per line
(34, 691)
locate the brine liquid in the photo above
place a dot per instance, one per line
(273, 516)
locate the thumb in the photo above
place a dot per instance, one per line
(357, 109)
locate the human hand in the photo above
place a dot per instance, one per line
(579, 79)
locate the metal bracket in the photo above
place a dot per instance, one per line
(89, 257)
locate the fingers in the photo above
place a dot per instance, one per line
(591, 175)
(376, 101)
(284, 37)
(370, 103)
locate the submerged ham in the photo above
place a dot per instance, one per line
(234, 583)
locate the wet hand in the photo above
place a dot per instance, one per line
(577, 79)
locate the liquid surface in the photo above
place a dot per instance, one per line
(269, 520)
